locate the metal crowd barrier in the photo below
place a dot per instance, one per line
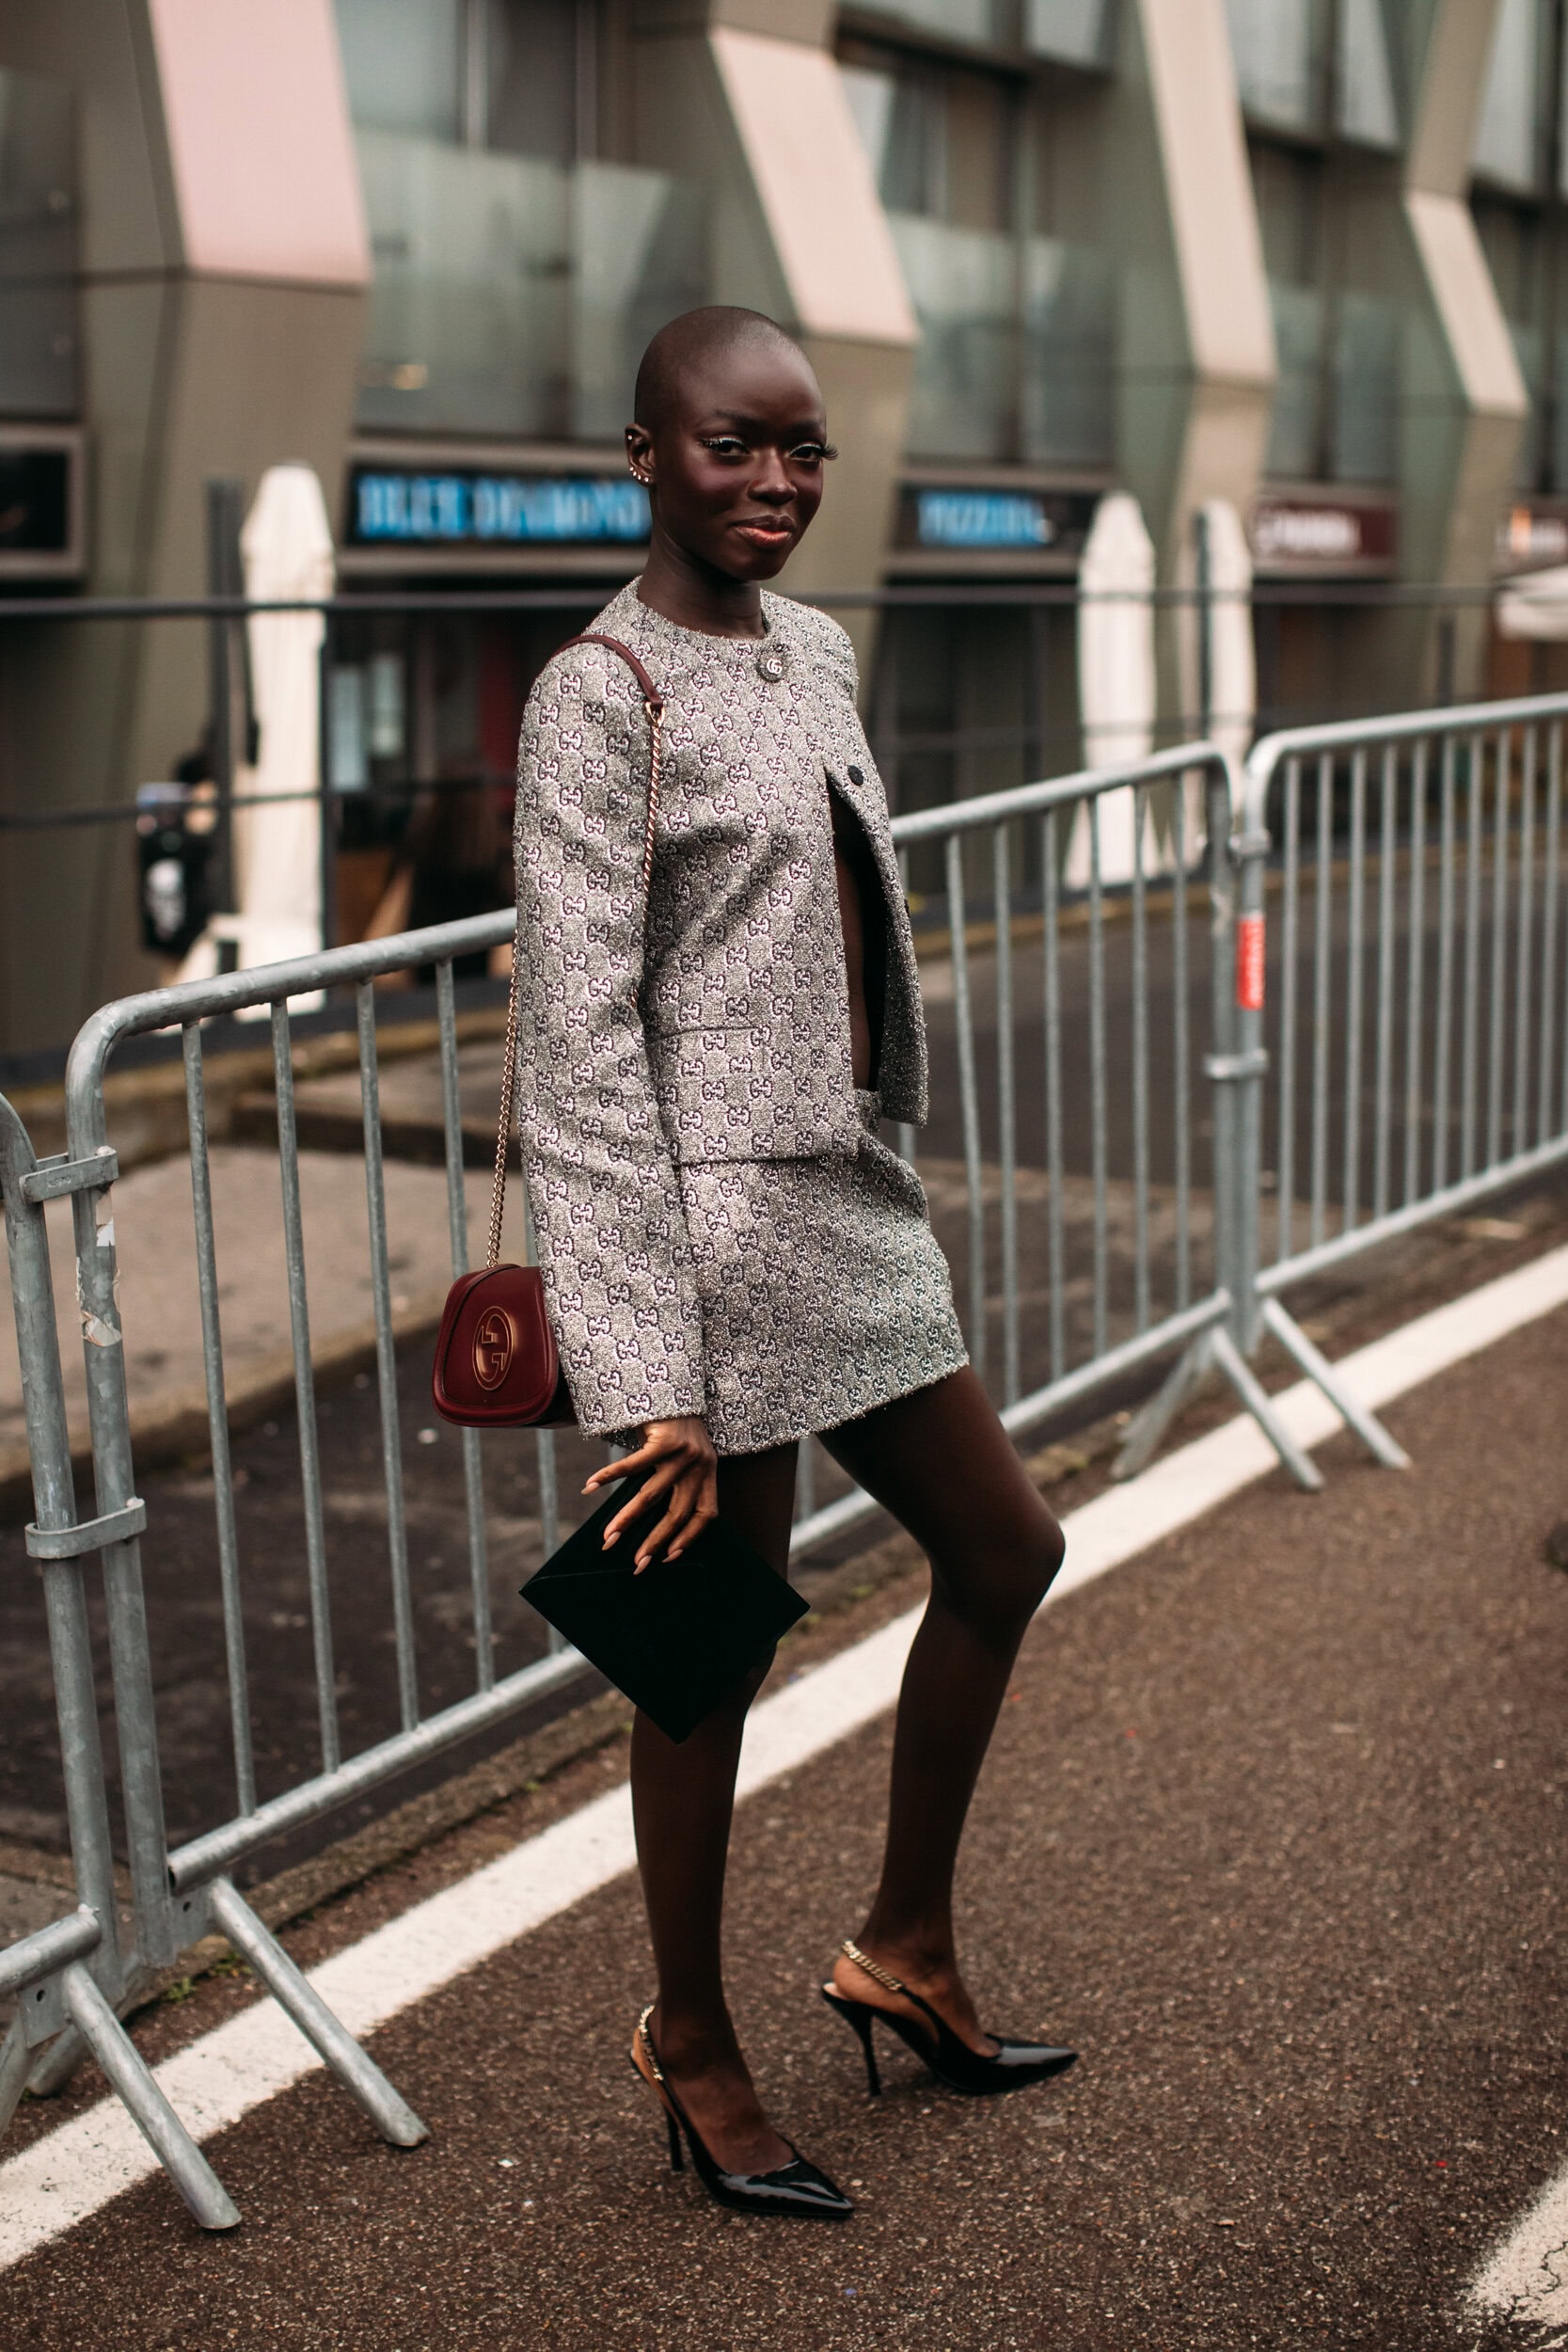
(1418, 1059)
(1142, 976)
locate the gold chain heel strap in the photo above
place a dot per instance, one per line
(878, 1975)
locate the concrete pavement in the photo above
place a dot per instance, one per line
(1271, 1831)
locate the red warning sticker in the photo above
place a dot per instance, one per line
(1249, 963)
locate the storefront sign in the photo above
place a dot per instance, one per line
(966, 521)
(1310, 535)
(403, 507)
(1532, 539)
(40, 533)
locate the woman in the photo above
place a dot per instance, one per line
(732, 1258)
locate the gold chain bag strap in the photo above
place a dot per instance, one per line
(497, 1364)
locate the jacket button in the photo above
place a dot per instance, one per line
(856, 775)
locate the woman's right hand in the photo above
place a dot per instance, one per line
(683, 1475)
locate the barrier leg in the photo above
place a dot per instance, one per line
(15, 2059)
(128, 2072)
(1294, 1339)
(1151, 1423)
(1228, 1358)
(366, 2084)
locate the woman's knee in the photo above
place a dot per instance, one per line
(996, 1583)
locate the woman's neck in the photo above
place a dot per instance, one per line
(695, 597)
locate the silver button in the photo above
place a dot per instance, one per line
(770, 666)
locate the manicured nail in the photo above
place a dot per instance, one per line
(613, 1538)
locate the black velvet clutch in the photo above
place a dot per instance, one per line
(677, 1639)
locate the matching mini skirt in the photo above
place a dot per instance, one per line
(823, 1290)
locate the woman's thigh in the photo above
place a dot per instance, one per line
(756, 1497)
(940, 1461)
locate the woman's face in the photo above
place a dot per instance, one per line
(735, 465)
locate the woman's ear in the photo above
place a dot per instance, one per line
(640, 452)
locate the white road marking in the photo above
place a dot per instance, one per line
(74, 2172)
(1526, 2279)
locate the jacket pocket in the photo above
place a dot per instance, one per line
(751, 1094)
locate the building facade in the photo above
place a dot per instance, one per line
(1309, 256)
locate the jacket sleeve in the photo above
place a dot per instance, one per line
(607, 1208)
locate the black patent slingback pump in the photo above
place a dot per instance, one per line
(1013, 2066)
(797, 2190)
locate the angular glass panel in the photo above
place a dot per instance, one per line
(1363, 445)
(468, 312)
(401, 63)
(640, 256)
(1078, 30)
(38, 247)
(1296, 425)
(1069, 353)
(959, 20)
(1558, 449)
(1365, 105)
(962, 283)
(516, 295)
(1273, 43)
(871, 102)
(1529, 345)
(1508, 147)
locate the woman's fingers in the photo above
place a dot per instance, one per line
(704, 1512)
(637, 1506)
(684, 1502)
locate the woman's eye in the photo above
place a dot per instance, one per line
(727, 445)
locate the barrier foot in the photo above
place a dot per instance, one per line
(129, 2076)
(1151, 1420)
(15, 2061)
(1228, 1358)
(55, 2066)
(364, 2081)
(1294, 1339)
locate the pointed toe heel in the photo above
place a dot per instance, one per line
(977, 2074)
(795, 2191)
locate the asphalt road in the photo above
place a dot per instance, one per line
(1271, 1831)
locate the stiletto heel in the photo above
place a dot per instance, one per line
(979, 2074)
(858, 2015)
(795, 2190)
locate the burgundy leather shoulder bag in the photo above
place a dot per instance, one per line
(497, 1364)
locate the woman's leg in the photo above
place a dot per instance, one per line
(683, 1796)
(942, 1464)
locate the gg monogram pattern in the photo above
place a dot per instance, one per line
(720, 1231)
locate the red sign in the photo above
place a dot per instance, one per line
(1249, 963)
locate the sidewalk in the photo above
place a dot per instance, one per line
(1270, 1832)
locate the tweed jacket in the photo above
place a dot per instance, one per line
(713, 1024)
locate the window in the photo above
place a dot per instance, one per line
(1276, 45)
(1510, 137)
(37, 248)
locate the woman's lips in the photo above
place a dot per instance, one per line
(765, 530)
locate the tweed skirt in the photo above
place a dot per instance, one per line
(823, 1290)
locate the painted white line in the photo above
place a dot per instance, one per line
(1526, 2279)
(77, 2170)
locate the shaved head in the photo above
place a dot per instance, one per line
(686, 348)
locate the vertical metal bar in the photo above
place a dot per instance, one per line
(1495, 1049)
(1007, 1112)
(1323, 946)
(305, 1394)
(1098, 1082)
(1140, 1060)
(1354, 986)
(968, 1101)
(1182, 1075)
(1470, 1009)
(906, 1127)
(1443, 1054)
(1055, 1251)
(1383, 1097)
(386, 1362)
(1415, 970)
(1522, 1001)
(543, 1440)
(327, 803)
(457, 1225)
(1546, 1087)
(805, 1479)
(217, 1424)
(1286, 1172)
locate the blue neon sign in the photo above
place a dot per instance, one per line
(982, 519)
(496, 510)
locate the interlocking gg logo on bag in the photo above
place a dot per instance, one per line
(494, 1343)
